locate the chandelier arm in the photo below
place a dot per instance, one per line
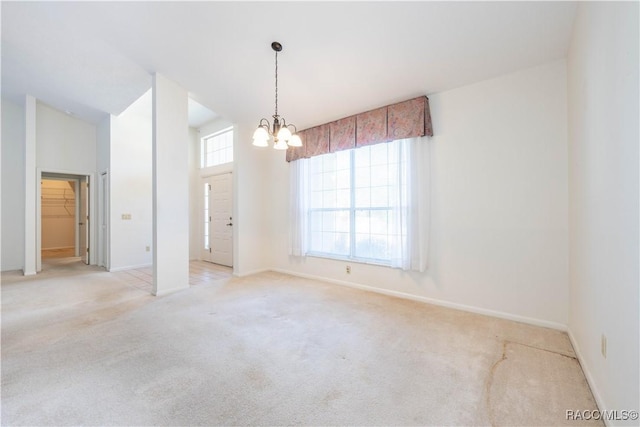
(295, 129)
(264, 125)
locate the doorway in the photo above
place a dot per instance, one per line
(217, 235)
(58, 217)
(64, 217)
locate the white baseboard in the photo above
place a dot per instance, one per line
(252, 272)
(129, 267)
(170, 291)
(587, 373)
(434, 301)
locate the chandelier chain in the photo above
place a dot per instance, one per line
(276, 83)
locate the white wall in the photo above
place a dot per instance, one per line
(13, 127)
(103, 145)
(64, 143)
(31, 188)
(194, 195)
(253, 200)
(212, 127)
(498, 207)
(131, 186)
(170, 148)
(603, 158)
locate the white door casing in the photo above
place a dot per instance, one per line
(83, 224)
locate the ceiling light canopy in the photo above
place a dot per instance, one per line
(281, 132)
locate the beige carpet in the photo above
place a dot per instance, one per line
(87, 347)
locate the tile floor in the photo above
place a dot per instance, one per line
(58, 253)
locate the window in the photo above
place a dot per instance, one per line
(217, 149)
(369, 204)
(352, 203)
(207, 217)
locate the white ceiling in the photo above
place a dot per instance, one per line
(339, 58)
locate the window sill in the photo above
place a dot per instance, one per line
(378, 263)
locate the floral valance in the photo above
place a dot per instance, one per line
(406, 119)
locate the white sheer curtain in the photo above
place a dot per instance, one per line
(298, 206)
(410, 207)
(409, 201)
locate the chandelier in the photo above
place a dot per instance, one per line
(280, 131)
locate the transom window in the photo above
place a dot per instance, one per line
(217, 149)
(353, 195)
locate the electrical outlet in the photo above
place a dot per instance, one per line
(603, 345)
(126, 216)
(147, 248)
(348, 269)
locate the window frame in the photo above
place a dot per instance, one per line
(352, 213)
(204, 141)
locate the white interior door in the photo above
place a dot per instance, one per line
(218, 219)
(83, 220)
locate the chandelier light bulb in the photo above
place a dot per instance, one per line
(284, 133)
(261, 137)
(295, 141)
(260, 133)
(280, 144)
(261, 142)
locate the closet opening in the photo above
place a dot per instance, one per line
(64, 219)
